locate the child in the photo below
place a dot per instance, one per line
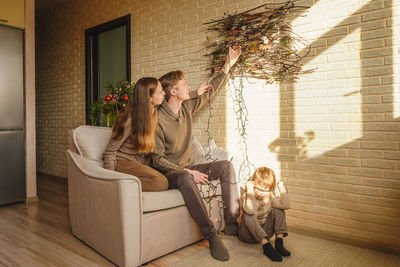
(262, 214)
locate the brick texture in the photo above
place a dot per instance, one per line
(333, 135)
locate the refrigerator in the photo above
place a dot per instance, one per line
(12, 132)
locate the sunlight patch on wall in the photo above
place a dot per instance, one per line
(328, 101)
(323, 16)
(263, 128)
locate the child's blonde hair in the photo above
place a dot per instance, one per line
(264, 177)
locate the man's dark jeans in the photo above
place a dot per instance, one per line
(222, 170)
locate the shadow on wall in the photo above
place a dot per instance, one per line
(347, 190)
(299, 148)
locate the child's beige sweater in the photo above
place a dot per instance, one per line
(253, 205)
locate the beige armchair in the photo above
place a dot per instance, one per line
(110, 213)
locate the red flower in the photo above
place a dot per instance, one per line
(107, 98)
(125, 97)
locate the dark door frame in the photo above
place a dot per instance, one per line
(91, 55)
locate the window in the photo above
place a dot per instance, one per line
(107, 57)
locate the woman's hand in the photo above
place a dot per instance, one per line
(204, 87)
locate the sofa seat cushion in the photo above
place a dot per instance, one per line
(91, 142)
(154, 201)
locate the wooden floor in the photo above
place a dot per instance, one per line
(39, 234)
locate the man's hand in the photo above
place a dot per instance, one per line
(233, 55)
(198, 177)
(203, 88)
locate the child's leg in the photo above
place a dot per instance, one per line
(250, 231)
(280, 248)
(276, 224)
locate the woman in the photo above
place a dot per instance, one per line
(132, 137)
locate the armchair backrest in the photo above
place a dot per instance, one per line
(90, 142)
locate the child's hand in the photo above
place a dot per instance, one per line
(260, 194)
(282, 187)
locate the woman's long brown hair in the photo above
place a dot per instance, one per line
(143, 116)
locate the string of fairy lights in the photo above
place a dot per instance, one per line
(270, 51)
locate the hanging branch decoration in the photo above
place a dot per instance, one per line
(270, 51)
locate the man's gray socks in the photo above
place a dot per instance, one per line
(218, 249)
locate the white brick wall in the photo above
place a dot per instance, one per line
(334, 135)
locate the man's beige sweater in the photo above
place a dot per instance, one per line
(174, 132)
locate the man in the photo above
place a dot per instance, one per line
(173, 150)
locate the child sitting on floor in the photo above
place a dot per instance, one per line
(262, 213)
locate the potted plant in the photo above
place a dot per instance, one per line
(106, 109)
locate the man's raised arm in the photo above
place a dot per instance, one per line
(217, 81)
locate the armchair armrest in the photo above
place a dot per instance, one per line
(106, 210)
(97, 172)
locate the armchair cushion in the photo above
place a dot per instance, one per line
(154, 201)
(212, 150)
(91, 142)
(198, 155)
